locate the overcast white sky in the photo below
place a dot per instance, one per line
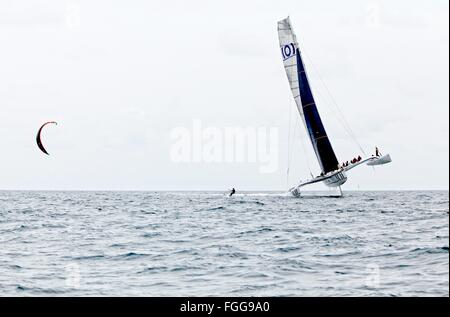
(119, 76)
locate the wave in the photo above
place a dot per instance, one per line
(89, 257)
(431, 250)
(250, 232)
(288, 249)
(216, 208)
(153, 269)
(132, 255)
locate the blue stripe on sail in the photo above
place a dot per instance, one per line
(319, 139)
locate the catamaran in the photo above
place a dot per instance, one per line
(333, 174)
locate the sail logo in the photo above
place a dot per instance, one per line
(254, 145)
(288, 51)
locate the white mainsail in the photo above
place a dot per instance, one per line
(289, 47)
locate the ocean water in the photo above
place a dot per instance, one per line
(206, 244)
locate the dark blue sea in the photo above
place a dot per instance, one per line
(206, 244)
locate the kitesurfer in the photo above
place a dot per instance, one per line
(233, 191)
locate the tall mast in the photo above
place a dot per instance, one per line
(304, 98)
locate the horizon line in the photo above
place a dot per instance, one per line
(215, 190)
